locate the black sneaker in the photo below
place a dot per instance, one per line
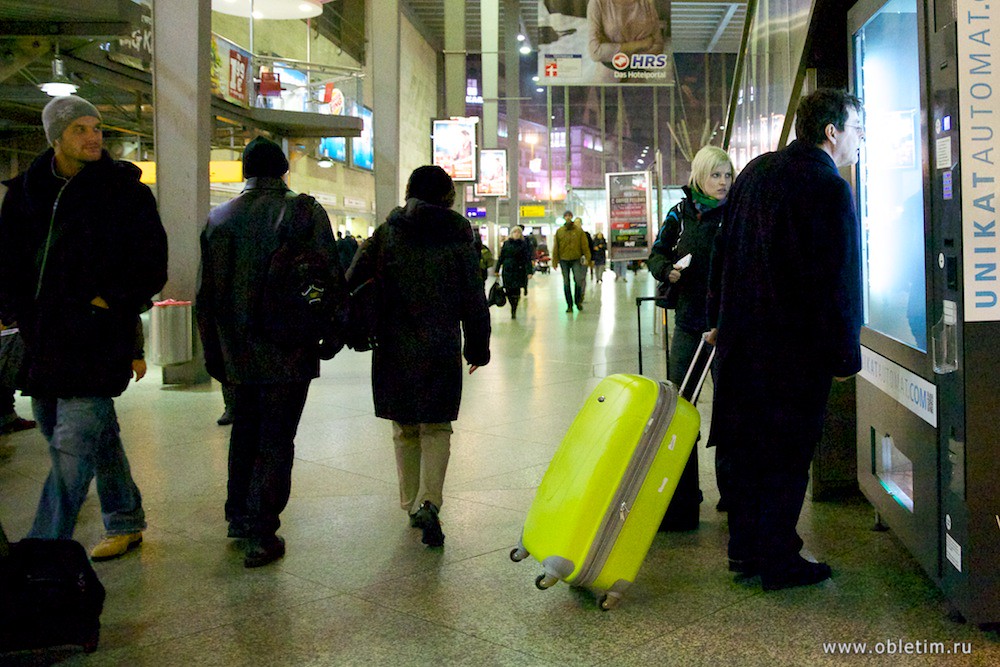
(427, 520)
(226, 419)
(799, 573)
(263, 550)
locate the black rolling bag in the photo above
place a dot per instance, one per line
(49, 595)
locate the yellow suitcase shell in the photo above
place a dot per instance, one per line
(607, 488)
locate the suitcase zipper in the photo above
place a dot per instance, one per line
(628, 490)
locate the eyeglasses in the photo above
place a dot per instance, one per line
(859, 128)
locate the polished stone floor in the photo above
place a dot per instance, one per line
(358, 588)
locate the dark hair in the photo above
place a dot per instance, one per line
(431, 184)
(569, 213)
(821, 108)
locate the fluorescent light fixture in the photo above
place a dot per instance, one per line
(269, 9)
(59, 84)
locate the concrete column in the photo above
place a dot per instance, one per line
(455, 72)
(490, 35)
(454, 57)
(182, 129)
(512, 91)
(385, 36)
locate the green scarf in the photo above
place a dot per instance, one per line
(702, 201)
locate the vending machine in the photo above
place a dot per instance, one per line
(928, 395)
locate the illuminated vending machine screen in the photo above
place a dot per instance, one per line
(890, 179)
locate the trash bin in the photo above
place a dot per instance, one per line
(171, 333)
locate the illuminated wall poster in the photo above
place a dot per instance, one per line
(362, 148)
(453, 147)
(492, 173)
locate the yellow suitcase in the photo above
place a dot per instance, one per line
(606, 489)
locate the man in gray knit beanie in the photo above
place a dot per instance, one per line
(61, 111)
(102, 255)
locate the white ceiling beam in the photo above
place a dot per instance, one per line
(723, 24)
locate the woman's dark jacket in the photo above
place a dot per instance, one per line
(236, 249)
(431, 291)
(106, 240)
(515, 263)
(699, 230)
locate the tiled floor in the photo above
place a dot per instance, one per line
(357, 587)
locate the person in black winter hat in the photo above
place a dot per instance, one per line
(269, 373)
(424, 257)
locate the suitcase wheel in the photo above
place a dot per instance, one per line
(544, 581)
(518, 554)
(609, 602)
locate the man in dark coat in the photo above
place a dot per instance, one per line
(82, 250)
(789, 319)
(270, 373)
(427, 270)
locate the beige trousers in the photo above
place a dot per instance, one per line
(422, 452)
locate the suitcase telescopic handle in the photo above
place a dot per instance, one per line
(701, 364)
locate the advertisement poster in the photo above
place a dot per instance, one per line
(453, 144)
(629, 213)
(618, 43)
(231, 73)
(362, 148)
(492, 173)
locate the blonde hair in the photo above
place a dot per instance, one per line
(705, 161)
(516, 233)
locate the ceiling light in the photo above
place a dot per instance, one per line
(539, 90)
(535, 78)
(59, 84)
(521, 37)
(270, 9)
(525, 49)
(325, 163)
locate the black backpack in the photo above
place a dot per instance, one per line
(298, 304)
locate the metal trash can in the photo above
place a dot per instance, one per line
(171, 333)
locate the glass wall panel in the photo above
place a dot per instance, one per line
(774, 52)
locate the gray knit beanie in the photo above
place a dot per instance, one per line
(61, 111)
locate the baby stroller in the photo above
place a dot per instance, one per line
(541, 262)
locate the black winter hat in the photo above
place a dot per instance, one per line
(432, 184)
(263, 157)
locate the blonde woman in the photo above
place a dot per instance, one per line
(681, 257)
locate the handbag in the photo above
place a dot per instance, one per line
(666, 295)
(11, 358)
(496, 296)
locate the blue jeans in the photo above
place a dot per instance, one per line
(578, 270)
(84, 442)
